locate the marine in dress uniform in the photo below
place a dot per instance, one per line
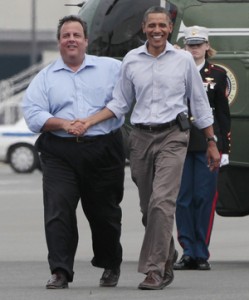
(198, 195)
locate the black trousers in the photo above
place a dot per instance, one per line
(91, 171)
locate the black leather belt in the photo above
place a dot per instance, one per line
(78, 139)
(83, 139)
(156, 128)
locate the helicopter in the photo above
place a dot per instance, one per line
(114, 28)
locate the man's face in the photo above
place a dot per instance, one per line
(157, 29)
(72, 42)
(198, 51)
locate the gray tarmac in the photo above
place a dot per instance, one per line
(23, 253)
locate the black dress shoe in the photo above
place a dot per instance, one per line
(185, 263)
(58, 280)
(110, 277)
(169, 273)
(202, 264)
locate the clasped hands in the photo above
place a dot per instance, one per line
(77, 127)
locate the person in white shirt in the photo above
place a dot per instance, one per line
(160, 79)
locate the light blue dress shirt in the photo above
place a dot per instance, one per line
(161, 86)
(57, 91)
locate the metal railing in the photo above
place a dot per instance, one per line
(11, 93)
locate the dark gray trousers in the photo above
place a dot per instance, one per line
(90, 171)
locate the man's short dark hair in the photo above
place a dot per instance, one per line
(156, 10)
(71, 18)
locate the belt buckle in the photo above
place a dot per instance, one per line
(78, 139)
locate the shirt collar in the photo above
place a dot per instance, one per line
(87, 62)
(199, 67)
(169, 47)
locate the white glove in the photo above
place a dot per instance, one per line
(224, 160)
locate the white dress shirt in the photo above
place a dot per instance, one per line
(160, 87)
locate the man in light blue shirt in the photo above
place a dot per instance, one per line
(89, 167)
(59, 95)
(160, 79)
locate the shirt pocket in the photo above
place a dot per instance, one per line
(94, 97)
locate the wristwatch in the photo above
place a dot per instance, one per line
(212, 139)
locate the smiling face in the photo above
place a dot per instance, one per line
(72, 44)
(157, 28)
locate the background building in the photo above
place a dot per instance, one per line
(27, 43)
(28, 31)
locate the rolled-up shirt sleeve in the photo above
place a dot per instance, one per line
(35, 105)
(123, 94)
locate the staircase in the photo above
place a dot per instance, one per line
(13, 88)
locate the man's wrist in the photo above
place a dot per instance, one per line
(212, 139)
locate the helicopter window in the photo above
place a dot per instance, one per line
(111, 7)
(115, 26)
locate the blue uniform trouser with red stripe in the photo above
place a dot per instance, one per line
(196, 205)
